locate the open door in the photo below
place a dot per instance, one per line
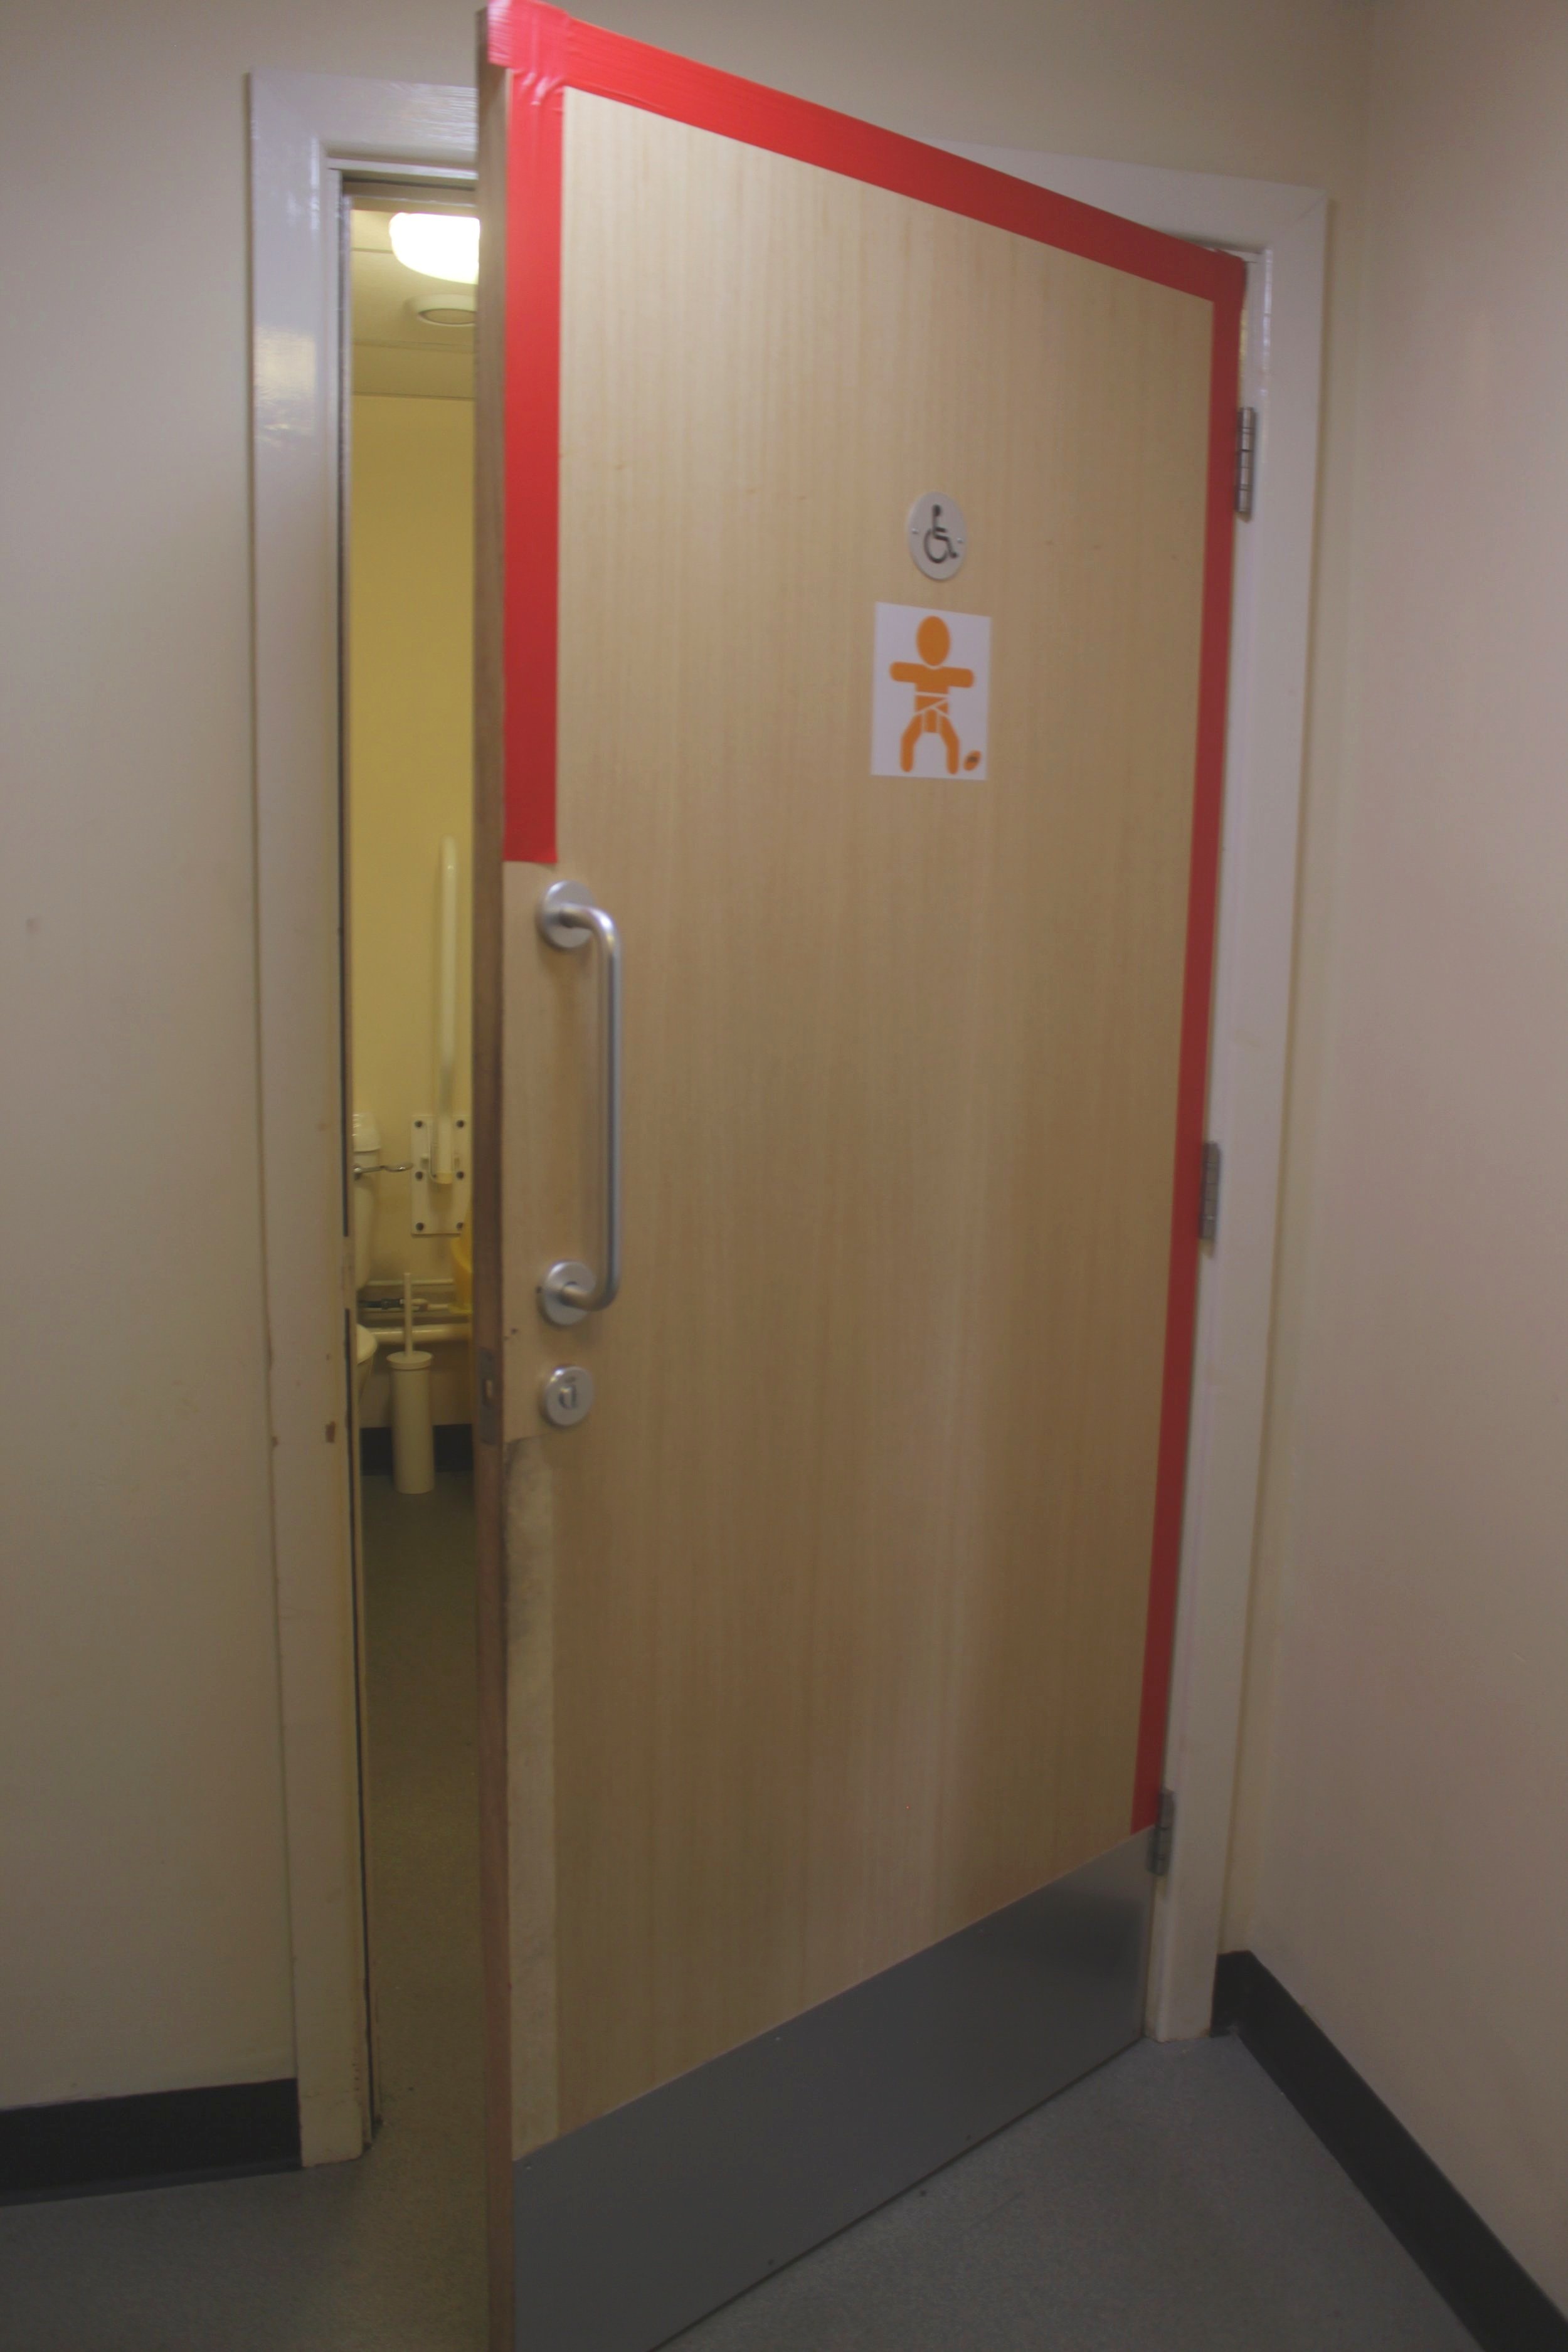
(855, 529)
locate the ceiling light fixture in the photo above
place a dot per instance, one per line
(437, 245)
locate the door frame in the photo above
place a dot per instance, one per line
(306, 131)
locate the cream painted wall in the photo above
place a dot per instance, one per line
(139, 1804)
(410, 771)
(1405, 1780)
(146, 1942)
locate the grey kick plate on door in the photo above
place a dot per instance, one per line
(633, 2227)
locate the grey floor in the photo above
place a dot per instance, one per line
(1172, 2202)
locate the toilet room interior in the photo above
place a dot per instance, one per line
(408, 837)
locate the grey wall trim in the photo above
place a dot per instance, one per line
(1470, 2267)
(154, 2139)
(632, 2227)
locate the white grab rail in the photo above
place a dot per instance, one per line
(441, 1164)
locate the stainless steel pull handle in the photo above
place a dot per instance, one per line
(568, 918)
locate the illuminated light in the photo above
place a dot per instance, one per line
(438, 245)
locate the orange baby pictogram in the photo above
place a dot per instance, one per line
(932, 684)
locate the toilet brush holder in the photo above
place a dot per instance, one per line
(413, 1433)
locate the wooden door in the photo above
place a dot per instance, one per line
(842, 1621)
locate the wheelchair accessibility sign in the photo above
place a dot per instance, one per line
(937, 536)
(930, 691)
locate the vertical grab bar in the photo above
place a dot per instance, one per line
(442, 1164)
(568, 918)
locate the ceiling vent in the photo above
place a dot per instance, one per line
(443, 306)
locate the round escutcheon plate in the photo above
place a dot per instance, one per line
(567, 1396)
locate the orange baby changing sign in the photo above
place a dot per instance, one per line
(930, 689)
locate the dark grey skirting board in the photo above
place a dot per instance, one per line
(454, 1448)
(84, 2146)
(1467, 2264)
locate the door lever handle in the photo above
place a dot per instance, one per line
(568, 918)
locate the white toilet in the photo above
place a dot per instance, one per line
(367, 1159)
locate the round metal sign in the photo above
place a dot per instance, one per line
(937, 535)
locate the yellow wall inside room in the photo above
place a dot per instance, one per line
(410, 770)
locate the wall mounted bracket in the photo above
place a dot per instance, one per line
(438, 1208)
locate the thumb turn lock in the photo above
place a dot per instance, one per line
(567, 1396)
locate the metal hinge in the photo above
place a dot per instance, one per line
(1162, 1834)
(1246, 460)
(1208, 1200)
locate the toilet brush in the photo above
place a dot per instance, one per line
(413, 1435)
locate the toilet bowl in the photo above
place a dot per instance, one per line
(367, 1159)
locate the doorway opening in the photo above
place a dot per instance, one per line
(410, 259)
(309, 132)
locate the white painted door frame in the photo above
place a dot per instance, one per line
(307, 130)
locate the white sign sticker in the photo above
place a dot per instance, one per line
(930, 691)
